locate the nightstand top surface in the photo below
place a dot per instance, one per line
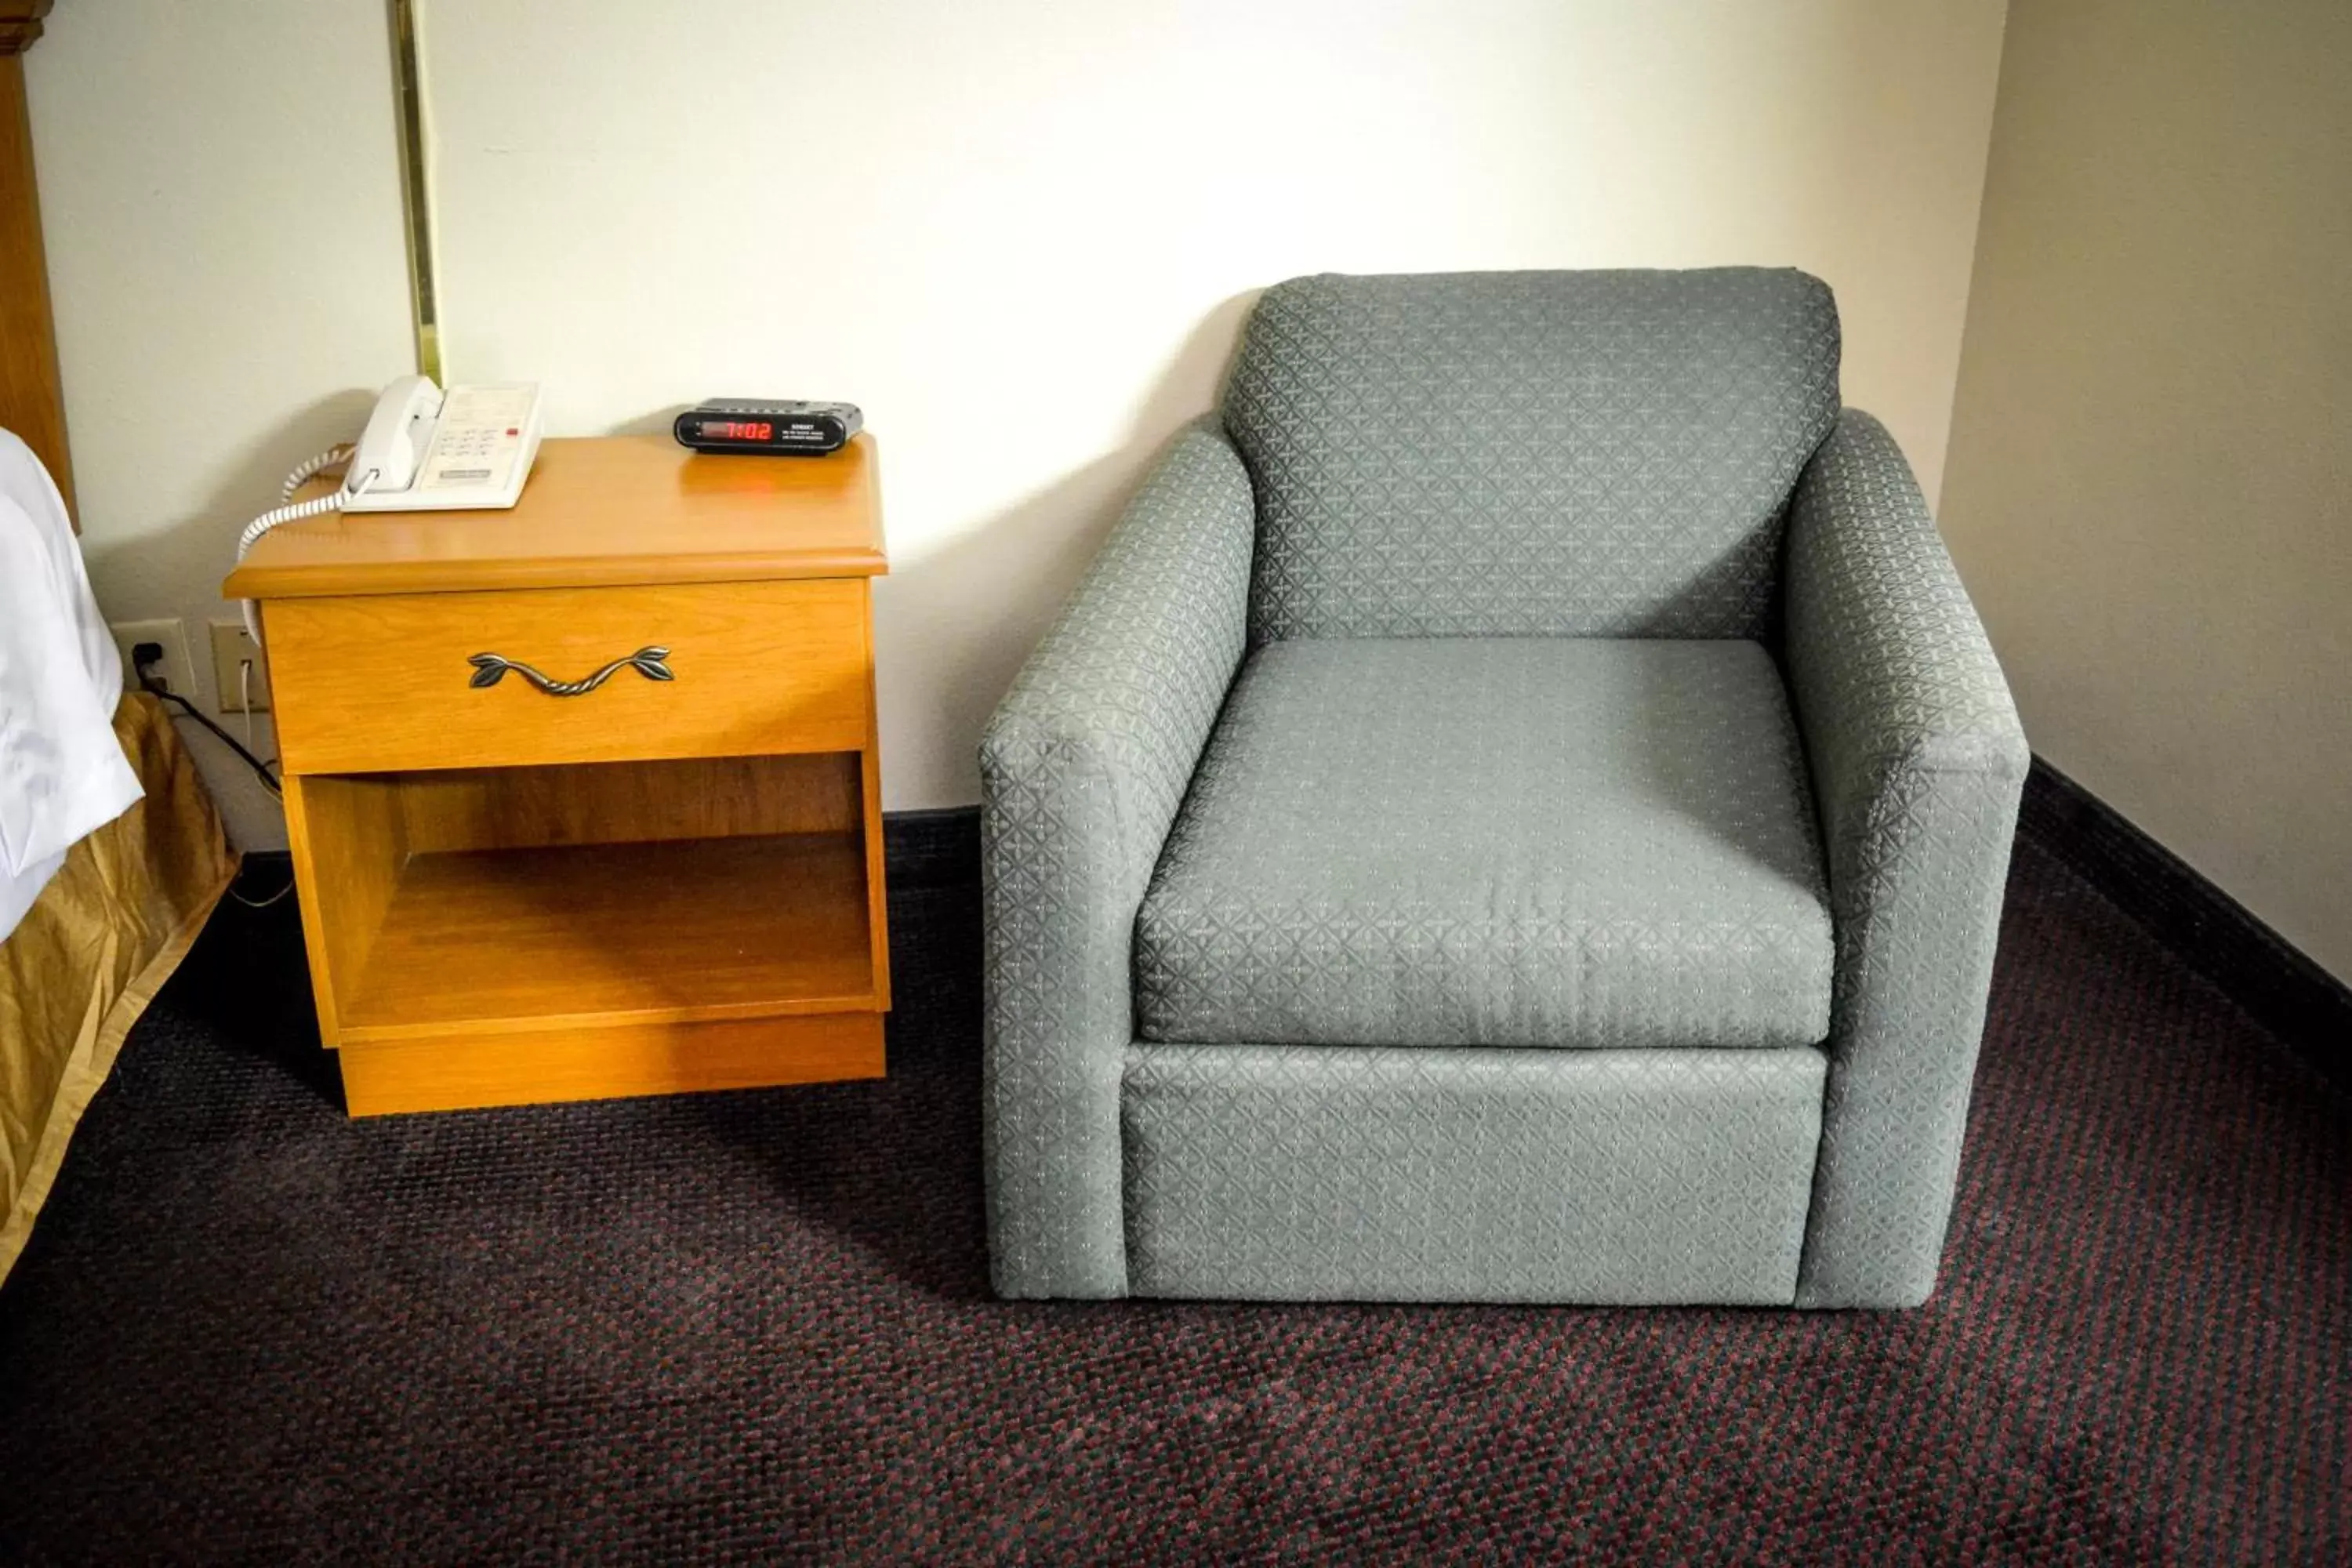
(597, 511)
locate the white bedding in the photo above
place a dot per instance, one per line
(62, 773)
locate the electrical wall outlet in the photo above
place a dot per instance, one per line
(174, 669)
(240, 671)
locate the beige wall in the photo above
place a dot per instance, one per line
(2149, 490)
(967, 217)
(220, 192)
(1049, 216)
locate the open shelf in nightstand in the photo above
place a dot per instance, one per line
(683, 922)
(582, 936)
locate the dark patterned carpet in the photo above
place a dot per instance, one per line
(757, 1326)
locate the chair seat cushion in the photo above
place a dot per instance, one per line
(1494, 842)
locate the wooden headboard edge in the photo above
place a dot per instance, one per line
(32, 400)
(20, 23)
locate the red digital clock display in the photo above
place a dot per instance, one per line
(736, 430)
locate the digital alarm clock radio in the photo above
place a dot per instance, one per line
(758, 425)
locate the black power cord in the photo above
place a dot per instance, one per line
(146, 653)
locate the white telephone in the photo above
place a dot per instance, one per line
(423, 450)
(426, 450)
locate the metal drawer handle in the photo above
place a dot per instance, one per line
(488, 668)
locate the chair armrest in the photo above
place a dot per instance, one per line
(1917, 762)
(1082, 770)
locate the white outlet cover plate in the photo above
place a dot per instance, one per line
(232, 647)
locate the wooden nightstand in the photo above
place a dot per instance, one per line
(583, 796)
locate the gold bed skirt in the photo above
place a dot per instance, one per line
(92, 951)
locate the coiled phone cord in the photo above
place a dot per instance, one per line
(293, 511)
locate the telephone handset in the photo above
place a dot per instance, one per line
(423, 450)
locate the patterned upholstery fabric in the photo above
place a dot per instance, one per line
(1529, 841)
(1594, 501)
(1918, 761)
(1529, 453)
(1081, 771)
(1307, 1172)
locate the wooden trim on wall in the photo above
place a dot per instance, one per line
(2278, 985)
(32, 400)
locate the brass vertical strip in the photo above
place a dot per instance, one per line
(416, 186)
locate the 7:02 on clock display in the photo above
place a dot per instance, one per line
(738, 430)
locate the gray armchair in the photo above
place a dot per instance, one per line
(1516, 811)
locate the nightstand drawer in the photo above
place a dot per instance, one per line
(446, 680)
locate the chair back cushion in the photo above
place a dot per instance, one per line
(1529, 453)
